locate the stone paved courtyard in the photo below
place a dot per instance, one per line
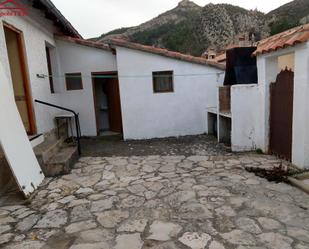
(160, 202)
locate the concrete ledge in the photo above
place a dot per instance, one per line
(299, 184)
(302, 176)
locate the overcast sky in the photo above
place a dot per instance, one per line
(94, 17)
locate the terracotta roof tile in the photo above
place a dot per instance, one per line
(221, 58)
(165, 52)
(285, 39)
(83, 42)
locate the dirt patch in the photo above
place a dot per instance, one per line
(185, 146)
(276, 174)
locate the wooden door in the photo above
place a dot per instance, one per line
(114, 106)
(19, 78)
(281, 115)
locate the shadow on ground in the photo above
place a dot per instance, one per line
(186, 146)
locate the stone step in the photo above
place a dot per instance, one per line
(46, 150)
(61, 162)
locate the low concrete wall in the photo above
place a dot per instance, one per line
(244, 109)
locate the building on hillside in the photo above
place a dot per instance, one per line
(210, 54)
(273, 115)
(219, 56)
(140, 91)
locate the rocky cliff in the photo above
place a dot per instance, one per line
(192, 29)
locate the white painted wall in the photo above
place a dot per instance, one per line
(76, 58)
(244, 109)
(267, 72)
(300, 139)
(152, 115)
(36, 32)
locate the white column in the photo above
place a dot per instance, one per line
(300, 140)
(267, 72)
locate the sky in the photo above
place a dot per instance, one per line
(95, 17)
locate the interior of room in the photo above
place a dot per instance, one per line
(107, 104)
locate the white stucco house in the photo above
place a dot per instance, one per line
(149, 109)
(147, 92)
(272, 115)
(140, 91)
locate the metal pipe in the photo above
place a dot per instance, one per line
(78, 132)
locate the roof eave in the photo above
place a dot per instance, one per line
(50, 7)
(286, 39)
(181, 57)
(83, 42)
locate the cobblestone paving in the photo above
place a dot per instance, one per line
(160, 202)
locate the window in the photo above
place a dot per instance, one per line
(74, 81)
(50, 71)
(162, 81)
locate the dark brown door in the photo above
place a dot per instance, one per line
(281, 115)
(114, 106)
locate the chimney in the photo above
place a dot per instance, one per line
(241, 41)
(210, 54)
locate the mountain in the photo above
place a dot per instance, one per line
(182, 12)
(192, 29)
(289, 15)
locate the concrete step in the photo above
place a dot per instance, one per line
(36, 140)
(61, 162)
(46, 150)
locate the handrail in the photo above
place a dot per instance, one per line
(78, 132)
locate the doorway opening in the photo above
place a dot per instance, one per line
(225, 129)
(107, 103)
(18, 68)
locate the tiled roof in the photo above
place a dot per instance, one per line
(221, 58)
(83, 42)
(285, 39)
(165, 52)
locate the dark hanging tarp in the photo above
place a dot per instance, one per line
(240, 66)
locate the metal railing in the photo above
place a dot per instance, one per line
(76, 118)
